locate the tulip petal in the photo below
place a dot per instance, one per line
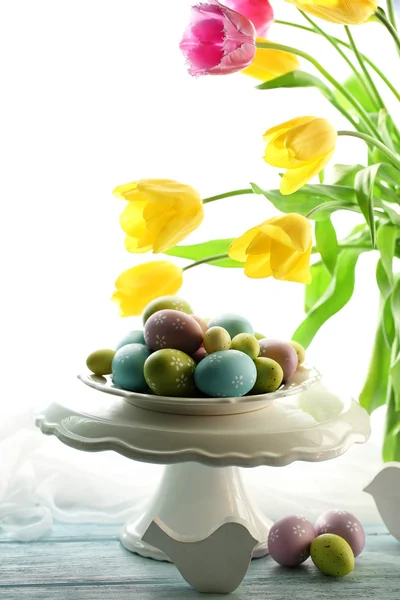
(135, 245)
(127, 191)
(176, 229)
(310, 140)
(259, 12)
(297, 269)
(258, 266)
(279, 129)
(294, 179)
(298, 229)
(261, 244)
(269, 64)
(343, 12)
(131, 219)
(238, 248)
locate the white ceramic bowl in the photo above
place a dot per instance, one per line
(303, 378)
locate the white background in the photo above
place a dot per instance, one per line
(96, 94)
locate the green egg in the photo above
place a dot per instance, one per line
(216, 339)
(170, 372)
(332, 555)
(100, 361)
(259, 336)
(247, 343)
(172, 302)
(269, 376)
(300, 351)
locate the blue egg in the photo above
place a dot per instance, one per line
(227, 373)
(133, 337)
(128, 365)
(234, 324)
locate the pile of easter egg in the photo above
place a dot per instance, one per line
(181, 354)
(333, 542)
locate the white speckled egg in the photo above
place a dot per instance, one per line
(228, 373)
(289, 540)
(344, 524)
(128, 365)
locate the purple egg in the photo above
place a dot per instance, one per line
(284, 354)
(290, 539)
(199, 354)
(173, 329)
(344, 524)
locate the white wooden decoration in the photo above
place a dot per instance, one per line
(385, 490)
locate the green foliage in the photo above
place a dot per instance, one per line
(344, 174)
(364, 185)
(327, 244)
(296, 79)
(206, 249)
(320, 281)
(358, 91)
(375, 389)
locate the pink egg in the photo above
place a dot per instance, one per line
(173, 329)
(201, 322)
(284, 354)
(342, 523)
(199, 354)
(290, 539)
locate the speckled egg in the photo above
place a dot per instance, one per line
(170, 373)
(201, 322)
(282, 352)
(300, 351)
(133, 337)
(100, 361)
(269, 376)
(247, 343)
(233, 323)
(216, 339)
(332, 555)
(289, 540)
(199, 354)
(127, 367)
(171, 302)
(173, 329)
(343, 524)
(228, 373)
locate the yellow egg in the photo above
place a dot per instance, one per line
(216, 339)
(300, 351)
(332, 555)
(99, 362)
(247, 343)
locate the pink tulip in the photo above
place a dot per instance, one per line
(259, 12)
(218, 40)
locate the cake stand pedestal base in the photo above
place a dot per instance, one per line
(194, 500)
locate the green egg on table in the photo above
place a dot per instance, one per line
(247, 343)
(300, 351)
(233, 323)
(171, 302)
(170, 372)
(216, 339)
(133, 337)
(269, 376)
(332, 555)
(100, 361)
(258, 335)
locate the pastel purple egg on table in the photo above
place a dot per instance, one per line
(173, 329)
(344, 524)
(290, 539)
(282, 352)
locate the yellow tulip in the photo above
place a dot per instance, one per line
(303, 146)
(160, 213)
(279, 247)
(343, 12)
(269, 64)
(138, 286)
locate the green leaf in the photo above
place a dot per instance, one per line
(344, 174)
(395, 377)
(382, 280)
(327, 244)
(320, 281)
(356, 89)
(388, 326)
(364, 186)
(392, 211)
(374, 392)
(386, 244)
(307, 199)
(391, 443)
(335, 298)
(296, 79)
(206, 249)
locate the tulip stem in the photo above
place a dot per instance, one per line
(346, 45)
(373, 142)
(203, 261)
(370, 85)
(391, 13)
(361, 111)
(366, 84)
(228, 194)
(381, 16)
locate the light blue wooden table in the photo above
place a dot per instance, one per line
(87, 562)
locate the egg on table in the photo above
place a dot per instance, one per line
(289, 540)
(133, 337)
(233, 324)
(173, 329)
(343, 524)
(227, 373)
(171, 302)
(332, 555)
(170, 372)
(127, 367)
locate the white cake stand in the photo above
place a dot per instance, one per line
(201, 488)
